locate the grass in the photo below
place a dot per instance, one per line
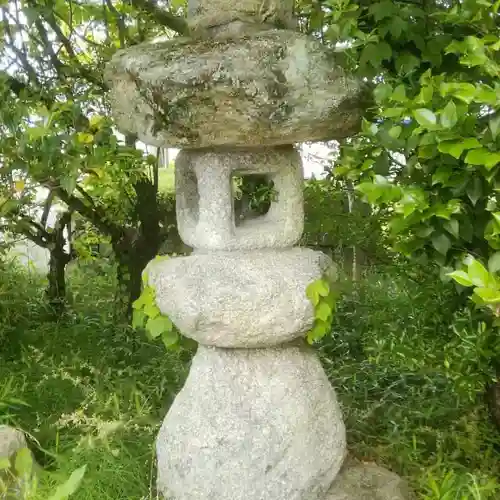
(166, 179)
(411, 376)
(97, 391)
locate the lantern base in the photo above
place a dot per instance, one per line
(256, 424)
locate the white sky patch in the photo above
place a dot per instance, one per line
(316, 157)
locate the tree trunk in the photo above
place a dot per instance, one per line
(493, 399)
(138, 246)
(59, 258)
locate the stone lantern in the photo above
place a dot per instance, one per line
(257, 418)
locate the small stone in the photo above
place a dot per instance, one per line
(251, 299)
(13, 486)
(368, 481)
(205, 205)
(11, 440)
(258, 424)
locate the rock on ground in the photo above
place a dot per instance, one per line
(12, 486)
(368, 481)
(261, 424)
(11, 440)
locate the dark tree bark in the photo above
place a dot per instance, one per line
(138, 246)
(59, 259)
(493, 398)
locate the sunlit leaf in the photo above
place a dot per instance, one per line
(478, 274)
(64, 491)
(425, 117)
(449, 116)
(23, 463)
(158, 326)
(494, 263)
(461, 277)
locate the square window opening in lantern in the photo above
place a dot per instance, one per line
(253, 195)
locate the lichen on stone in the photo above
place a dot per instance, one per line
(274, 87)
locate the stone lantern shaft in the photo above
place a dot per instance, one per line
(212, 13)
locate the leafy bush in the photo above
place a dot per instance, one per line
(340, 225)
(21, 301)
(410, 373)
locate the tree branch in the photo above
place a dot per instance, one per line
(164, 17)
(35, 238)
(46, 209)
(85, 195)
(122, 28)
(93, 214)
(17, 87)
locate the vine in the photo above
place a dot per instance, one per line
(148, 316)
(324, 298)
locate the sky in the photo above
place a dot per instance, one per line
(315, 156)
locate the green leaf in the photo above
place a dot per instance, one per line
(374, 54)
(475, 190)
(449, 116)
(369, 128)
(441, 243)
(456, 148)
(397, 26)
(494, 263)
(319, 330)
(495, 126)
(406, 63)
(70, 486)
(384, 51)
(23, 463)
(425, 95)
(151, 310)
(452, 226)
(461, 277)
(399, 94)
(392, 112)
(478, 273)
(466, 92)
(317, 289)
(170, 338)
(4, 463)
(84, 138)
(425, 117)
(138, 318)
(158, 326)
(442, 174)
(382, 92)
(68, 183)
(482, 157)
(395, 132)
(331, 300)
(36, 132)
(488, 295)
(96, 121)
(323, 311)
(147, 297)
